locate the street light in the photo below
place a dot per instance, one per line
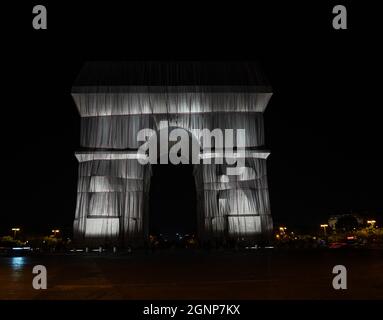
(371, 222)
(324, 226)
(15, 230)
(55, 231)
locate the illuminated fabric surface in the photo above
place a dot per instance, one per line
(113, 187)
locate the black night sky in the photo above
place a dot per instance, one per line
(323, 123)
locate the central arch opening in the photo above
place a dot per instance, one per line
(172, 204)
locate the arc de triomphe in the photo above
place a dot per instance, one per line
(118, 99)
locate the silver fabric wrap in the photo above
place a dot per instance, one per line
(108, 103)
(120, 132)
(112, 201)
(235, 206)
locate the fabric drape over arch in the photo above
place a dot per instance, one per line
(117, 100)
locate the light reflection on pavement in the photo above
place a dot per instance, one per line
(196, 275)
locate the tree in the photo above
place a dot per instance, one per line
(346, 223)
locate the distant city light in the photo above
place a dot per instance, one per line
(324, 226)
(15, 230)
(371, 222)
(55, 231)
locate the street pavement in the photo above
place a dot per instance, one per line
(187, 274)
